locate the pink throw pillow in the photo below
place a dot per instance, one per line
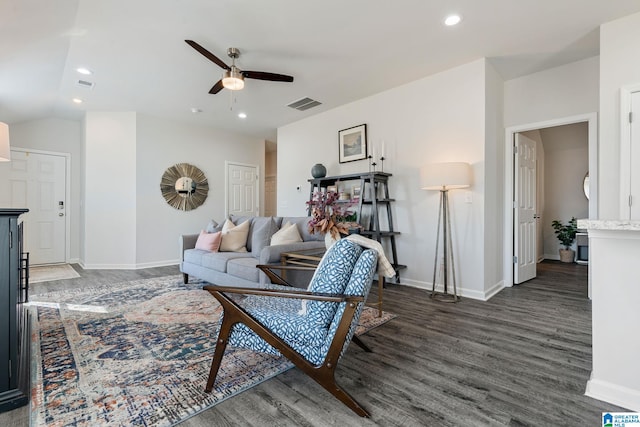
(209, 241)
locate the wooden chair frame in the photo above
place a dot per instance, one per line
(323, 374)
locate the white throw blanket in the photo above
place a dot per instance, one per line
(384, 266)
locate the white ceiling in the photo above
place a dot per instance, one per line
(338, 51)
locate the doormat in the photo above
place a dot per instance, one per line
(137, 353)
(47, 273)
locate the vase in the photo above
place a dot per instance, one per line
(566, 255)
(329, 240)
(318, 171)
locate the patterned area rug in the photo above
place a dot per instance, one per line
(47, 273)
(137, 354)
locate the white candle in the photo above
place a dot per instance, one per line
(373, 153)
(382, 155)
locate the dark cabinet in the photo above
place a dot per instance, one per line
(14, 318)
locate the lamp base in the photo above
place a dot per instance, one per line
(444, 297)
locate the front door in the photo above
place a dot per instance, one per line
(37, 181)
(242, 189)
(524, 235)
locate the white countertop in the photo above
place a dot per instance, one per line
(609, 224)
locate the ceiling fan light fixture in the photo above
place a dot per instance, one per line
(233, 79)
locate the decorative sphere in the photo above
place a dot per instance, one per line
(318, 171)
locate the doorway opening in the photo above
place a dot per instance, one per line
(270, 179)
(511, 189)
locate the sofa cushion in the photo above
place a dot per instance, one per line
(213, 227)
(234, 237)
(287, 234)
(218, 260)
(194, 256)
(302, 222)
(262, 228)
(245, 268)
(209, 241)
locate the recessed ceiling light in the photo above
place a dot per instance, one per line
(452, 20)
(85, 71)
(77, 100)
(242, 115)
(195, 110)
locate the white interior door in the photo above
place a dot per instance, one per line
(524, 236)
(242, 189)
(634, 170)
(37, 181)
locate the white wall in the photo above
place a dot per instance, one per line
(615, 376)
(436, 119)
(109, 190)
(620, 66)
(566, 158)
(128, 224)
(494, 181)
(161, 144)
(564, 91)
(61, 136)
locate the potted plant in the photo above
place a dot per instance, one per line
(331, 217)
(566, 233)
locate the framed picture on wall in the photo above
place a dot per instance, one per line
(352, 144)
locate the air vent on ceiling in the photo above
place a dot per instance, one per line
(304, 104)
(84, 83)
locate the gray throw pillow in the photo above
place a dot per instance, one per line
(213, 227)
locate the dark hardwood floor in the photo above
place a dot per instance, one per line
(522, 358)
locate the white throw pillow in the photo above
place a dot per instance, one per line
(287, 234)
(234, 237)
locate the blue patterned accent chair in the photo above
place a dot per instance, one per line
(312, 328)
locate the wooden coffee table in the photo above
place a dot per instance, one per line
(311, 258)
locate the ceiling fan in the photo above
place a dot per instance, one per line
(233, 78)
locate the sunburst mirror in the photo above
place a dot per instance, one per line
(184, 186)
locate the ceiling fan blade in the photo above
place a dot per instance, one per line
(216, 87)
(261, 75)
(210, 56)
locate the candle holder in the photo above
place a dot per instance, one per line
(382, 164)
(372, 164)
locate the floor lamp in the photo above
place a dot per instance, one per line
(444, 177)
(5, 150)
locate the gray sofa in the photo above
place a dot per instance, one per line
(239, 268)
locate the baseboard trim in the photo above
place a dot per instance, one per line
(493, 291)
(139, 266)
(614, 394)
(158, 263)
(462, 292)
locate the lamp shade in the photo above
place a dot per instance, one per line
(5, 150)
(233, 79)
(445, 176)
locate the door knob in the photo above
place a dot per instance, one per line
(60, 214)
